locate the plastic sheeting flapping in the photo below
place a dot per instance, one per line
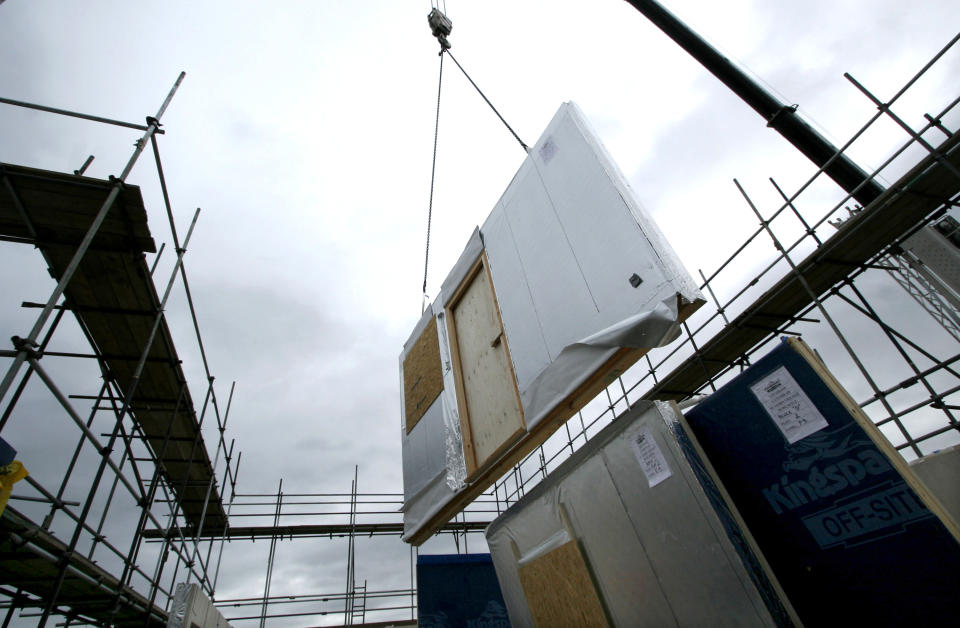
(659, 553)
(579, 272)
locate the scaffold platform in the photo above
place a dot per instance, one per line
(114, 299)
(31, 561)
(930, 185)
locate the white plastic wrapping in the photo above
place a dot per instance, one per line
(433, 461)
(456, 470)
(651, 328)
(191, 608)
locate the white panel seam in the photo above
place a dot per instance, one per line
(563, 228)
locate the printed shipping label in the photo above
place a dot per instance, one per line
(652, 460)
(790, 407)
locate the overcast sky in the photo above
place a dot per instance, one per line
(304, 132)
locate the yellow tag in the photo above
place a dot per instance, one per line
(10, 474)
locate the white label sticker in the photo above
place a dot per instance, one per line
(790, 407)
(651, 459)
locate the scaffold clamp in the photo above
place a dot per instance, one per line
(27, 346)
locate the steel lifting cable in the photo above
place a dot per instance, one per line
(433, 174)
(445, 48)
(487, 100)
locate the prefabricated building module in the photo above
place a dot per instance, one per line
(631, 531)
(851, 533)
(567, 283)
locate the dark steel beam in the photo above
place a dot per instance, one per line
(781, 117)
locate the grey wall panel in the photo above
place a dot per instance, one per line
(687, 548)
(423, 451)
(621, 565)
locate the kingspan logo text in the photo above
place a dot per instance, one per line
(818, 484)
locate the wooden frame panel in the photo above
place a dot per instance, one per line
(477, 454)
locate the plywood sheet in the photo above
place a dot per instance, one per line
(560, 591)
(422, 375)
(491, 413)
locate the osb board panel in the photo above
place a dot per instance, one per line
(493, 411)
(560, 591)
(422, 375)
